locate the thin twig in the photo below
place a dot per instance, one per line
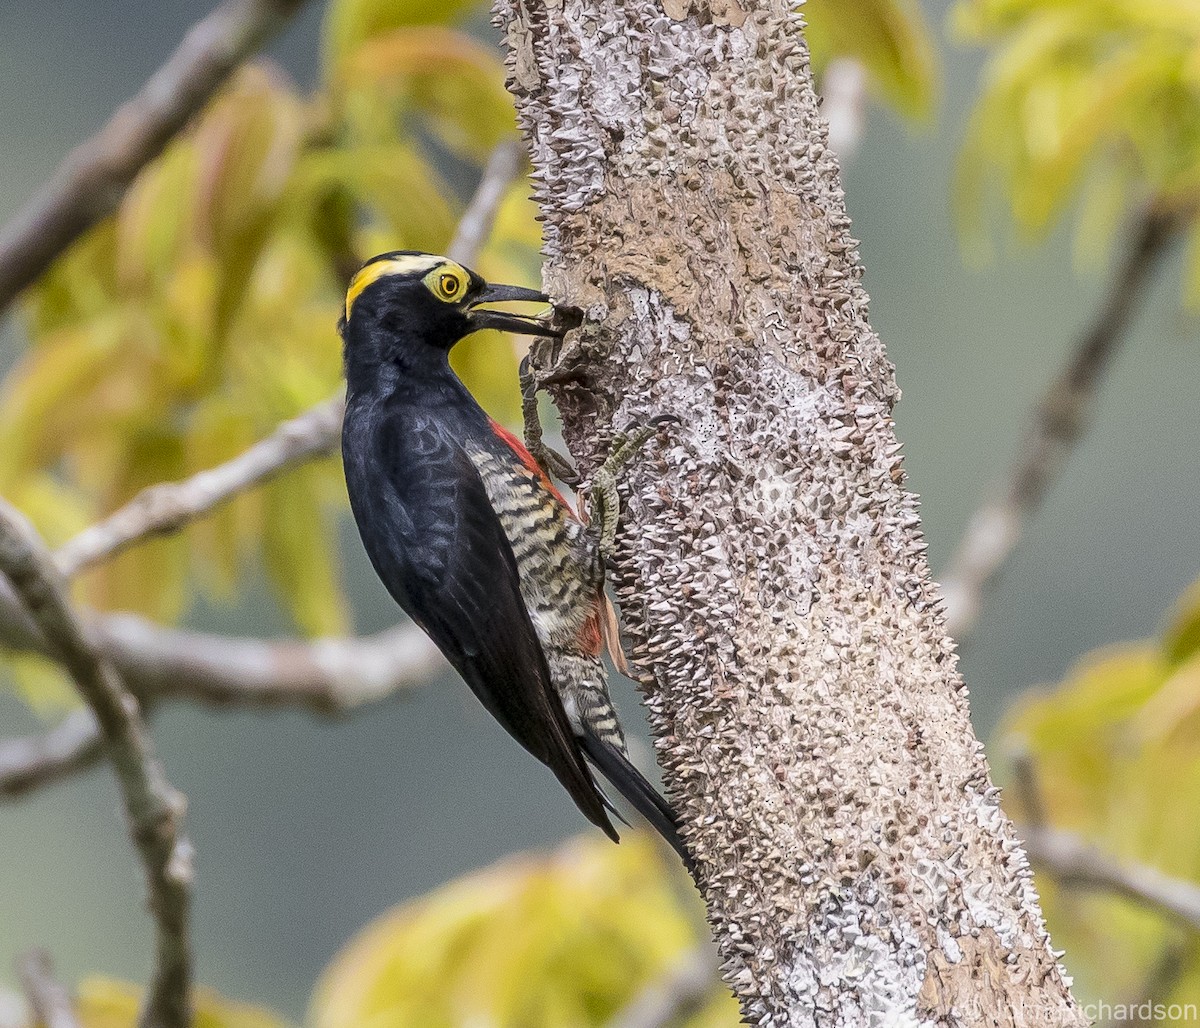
(1058, 422)
(168, 506)
(50, 1001)
(326, 676)
(35, 760)
(153, 807)
(90, 182)
(681, 993)
(474, 227)
(1075, 862)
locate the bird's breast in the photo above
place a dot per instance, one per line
(554, 557)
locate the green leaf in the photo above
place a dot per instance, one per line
(40, 682)
(350, 23)
(1103, 209)
(1115, 751)
(58, 509)
(248, 144)
(1182, 639)
(109, 1003)
(298, 556)
(154, 221)
(889, 37)
(221, 542)
(396, 185)
(148, 578)
(1072, 85)
(44, 395)
(79, 286)
(1173, 712)
(1076, 732)
(186, 309)
(560, 941)
(442, 80)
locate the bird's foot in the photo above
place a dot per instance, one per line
(603, 501)
(552, 360)
(550, 460)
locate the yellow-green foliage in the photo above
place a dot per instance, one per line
(889, 37)
(106, 1003)
(1095, 101)
(563, 941)
(1117, 752)
(184, 328)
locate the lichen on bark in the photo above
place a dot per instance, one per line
(809, 718)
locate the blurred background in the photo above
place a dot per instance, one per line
(305, 829)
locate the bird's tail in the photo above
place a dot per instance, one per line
(638, 792)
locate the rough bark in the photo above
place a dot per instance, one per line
(810, 721)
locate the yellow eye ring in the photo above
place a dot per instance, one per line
(447, 284)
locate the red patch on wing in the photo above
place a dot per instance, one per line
(528, 459)
(591, 633)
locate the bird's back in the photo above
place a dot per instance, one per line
(438, 545)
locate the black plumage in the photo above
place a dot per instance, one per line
(417, 449)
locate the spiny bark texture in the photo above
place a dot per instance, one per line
(810, 720)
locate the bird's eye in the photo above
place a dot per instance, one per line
(447, 285)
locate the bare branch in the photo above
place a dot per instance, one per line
(326, 676)
(168, 506)
(51, 1002)
(1075, 862)
(682, 993)
(91, 181)
(153, 807)
(34, 760)
(477, 221)
(1059, 421)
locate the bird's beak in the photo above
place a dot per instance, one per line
(506, 322)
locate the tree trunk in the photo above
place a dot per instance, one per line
(809, 718)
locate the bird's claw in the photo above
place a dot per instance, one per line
(556, 465)
(604, 504)
(551, 461)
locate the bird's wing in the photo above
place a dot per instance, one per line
(455, 573)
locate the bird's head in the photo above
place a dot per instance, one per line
(409, 308)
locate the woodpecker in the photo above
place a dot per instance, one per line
(470, 536)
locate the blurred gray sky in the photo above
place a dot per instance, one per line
(304, 830)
